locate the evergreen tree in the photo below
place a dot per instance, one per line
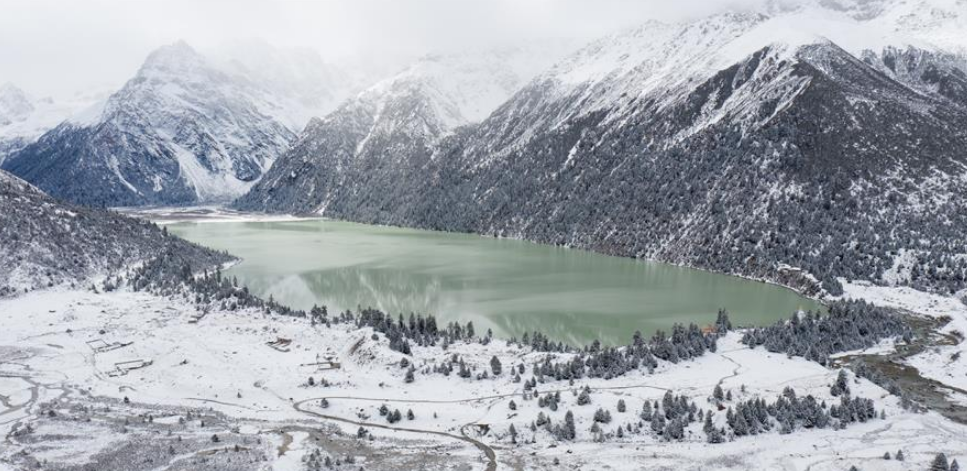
(495, 365)
(570, 432)
(841, 386)
(940, 463)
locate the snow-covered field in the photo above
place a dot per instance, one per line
(946, 364)
(205, 214)
(259, 397)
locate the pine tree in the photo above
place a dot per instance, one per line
(570, 432)
(841, 386)
(495, 365)
(940, 463)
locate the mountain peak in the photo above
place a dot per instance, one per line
(177, 57)
(15, 105)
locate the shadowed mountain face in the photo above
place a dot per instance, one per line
(693, 144)
(44, 242)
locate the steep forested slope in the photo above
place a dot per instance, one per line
(44, 242)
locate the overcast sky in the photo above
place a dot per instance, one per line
(58, 47)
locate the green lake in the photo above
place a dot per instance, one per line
(509, 286)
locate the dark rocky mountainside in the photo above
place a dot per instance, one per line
(44, 242)
(793, 161)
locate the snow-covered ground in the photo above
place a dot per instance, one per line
(946, 364)
(222, 362)
(205, 214)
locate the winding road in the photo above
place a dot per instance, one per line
(486, 449)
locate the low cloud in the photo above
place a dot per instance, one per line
(58, 47)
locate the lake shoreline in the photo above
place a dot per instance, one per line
(464, 276)
(165, 215)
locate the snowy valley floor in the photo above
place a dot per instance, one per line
(131, 381)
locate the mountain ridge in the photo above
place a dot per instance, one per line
(743, 168)
(182, 131)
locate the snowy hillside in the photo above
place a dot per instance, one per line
(44, 242)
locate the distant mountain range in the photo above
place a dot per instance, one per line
(24, 118)
(186, 129)
(800, 144)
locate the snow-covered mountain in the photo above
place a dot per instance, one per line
(14, 104)
(45, 242)
(743, 143)
(392, 126)
(303, 85)
(185, 129)
(938, 23)
(24, 118)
